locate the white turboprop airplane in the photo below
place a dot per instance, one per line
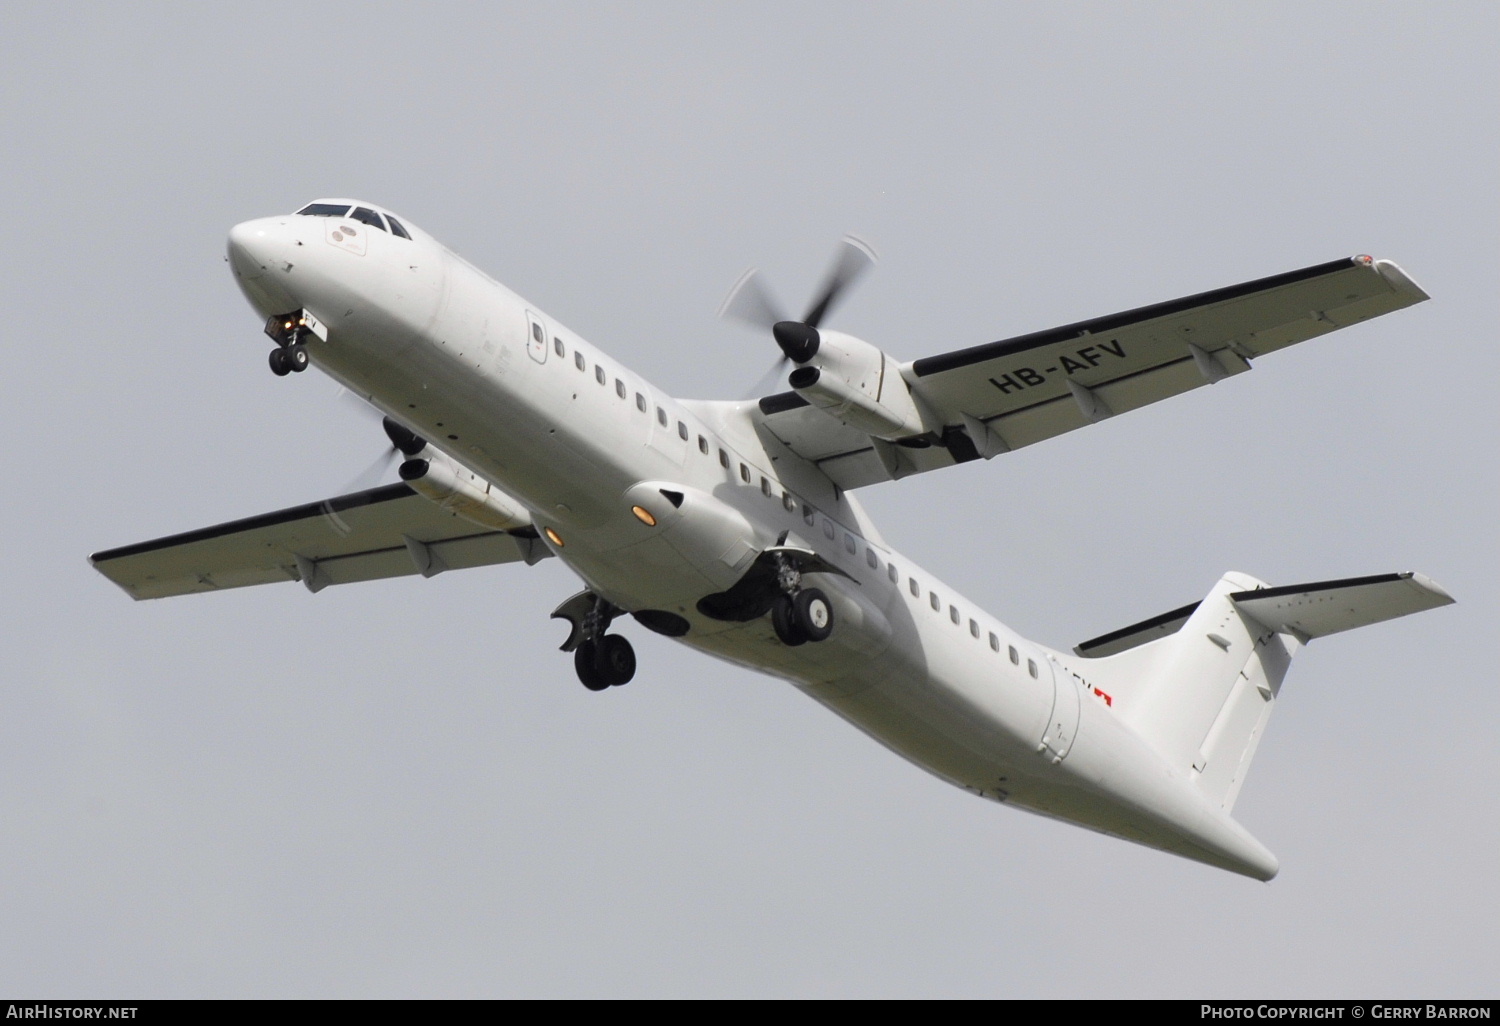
(733, 526)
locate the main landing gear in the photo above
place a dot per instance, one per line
(605, 663)
(602, 660)
(798, 614)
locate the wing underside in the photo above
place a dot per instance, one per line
(384, 532)
(1016, 392)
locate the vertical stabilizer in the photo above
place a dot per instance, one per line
(1199, 684)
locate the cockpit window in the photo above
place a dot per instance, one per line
(325, 209)
(368, 216)
(396, 227)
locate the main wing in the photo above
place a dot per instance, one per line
(384, 532)
(1012, 393)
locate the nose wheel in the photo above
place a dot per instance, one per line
(286, 360)
(606, 663)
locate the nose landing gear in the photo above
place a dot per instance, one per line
(291, 358)
(290, 332)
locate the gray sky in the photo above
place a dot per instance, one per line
(399, 789)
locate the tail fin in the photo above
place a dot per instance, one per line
(1199, 683)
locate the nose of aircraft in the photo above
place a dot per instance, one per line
(259, 255)
(253, 246)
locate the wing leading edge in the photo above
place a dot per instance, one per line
(384, 532)
(1007, 394)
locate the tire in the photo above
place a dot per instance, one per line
(616, 660)
(813, 614)
(586, 664)
(784, 623)
(279, 366)
(296, 357)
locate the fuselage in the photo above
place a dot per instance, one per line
(583, 443)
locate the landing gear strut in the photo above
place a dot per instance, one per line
(798, 614)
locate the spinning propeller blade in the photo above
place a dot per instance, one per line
(751, 301)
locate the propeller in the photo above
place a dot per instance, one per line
(751, 301)
(403, 442)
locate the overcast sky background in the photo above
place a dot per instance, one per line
(399, 788)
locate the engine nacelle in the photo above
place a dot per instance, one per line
(859, 385)
(463, 492)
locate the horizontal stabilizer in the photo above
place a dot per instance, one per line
(1328, 607)
(1136, 633)
(1199, 683)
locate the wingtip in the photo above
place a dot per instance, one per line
(1428, 584)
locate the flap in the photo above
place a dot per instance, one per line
(384, 532)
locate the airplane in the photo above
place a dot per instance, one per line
(734, 526)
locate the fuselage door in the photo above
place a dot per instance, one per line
(536, 338)
(1062, 725)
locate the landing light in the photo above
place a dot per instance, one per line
(643, 515)
(553, 537)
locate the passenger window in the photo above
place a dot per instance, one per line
(953, 614)
(849, 543)
(703, 445)
(557, 343)
(1015, 657)
(827, 528)
(744, 473)
(578, 360)
(893, 574)
(937, 603)
(619, 388)
(723, 459)
(1031, 667)
(536, 333)
(661, 416)
(809, 515)
(640, 402)
(872, 560)
(994, 642)
(974, 628)
(916, 589)
(788, 503)
(599, 374)
(368, 216)
(396, 227)
(682, 431)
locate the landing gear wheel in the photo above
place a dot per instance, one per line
(586, 663)
(616, 660)
(784, 622)
(813, 614)
(279, 366)
(296, 357)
